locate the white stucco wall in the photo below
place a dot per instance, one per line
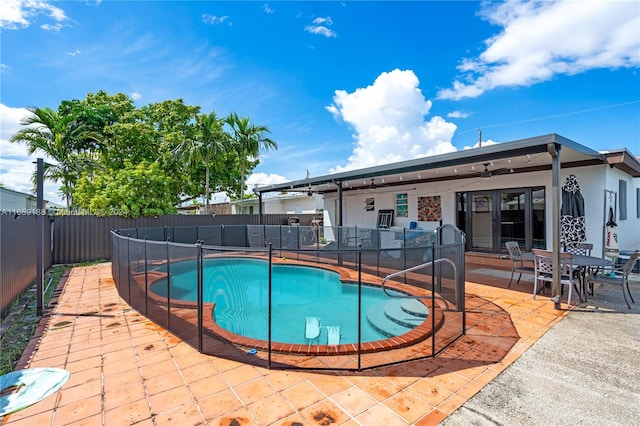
(292, 205)
(593, 181)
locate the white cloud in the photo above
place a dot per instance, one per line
(321, 26)
(268, 9)
(388, 118)
(10, 122)
(15, 14)
(458, 114)
(55, 28)
(542, 39)
(136, 96)
(213, 19)
(16, 165)
(320, 21)
(263, 179)
(75, 53)
(484, 143)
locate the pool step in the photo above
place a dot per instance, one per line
(396, 316)
(415, 307)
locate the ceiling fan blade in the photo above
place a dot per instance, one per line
(501, 171)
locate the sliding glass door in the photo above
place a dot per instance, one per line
(491, 218)
(482, 220)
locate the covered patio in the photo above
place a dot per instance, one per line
(537, 159)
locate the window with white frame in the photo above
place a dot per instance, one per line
(402, 205)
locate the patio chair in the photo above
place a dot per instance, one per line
(311, 328)
(543, 265)
(574, 247)
(580, 249)
(618, 276)
(517, 264)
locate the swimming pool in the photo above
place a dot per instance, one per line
(239, 288)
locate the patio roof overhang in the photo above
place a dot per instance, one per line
(520, 156)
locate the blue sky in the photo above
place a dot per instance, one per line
(341, 85)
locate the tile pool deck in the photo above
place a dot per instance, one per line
(126, 370)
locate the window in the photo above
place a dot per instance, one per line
(402, 205)
(622, 190)
(637, 202)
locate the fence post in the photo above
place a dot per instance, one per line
(359, 307)
(129, 269)
(200, 296)
(146, 278)
(168, 287)
(40, 239)
(270, 304)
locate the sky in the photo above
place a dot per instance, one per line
(340, 85)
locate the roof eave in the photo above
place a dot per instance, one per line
(623, 160)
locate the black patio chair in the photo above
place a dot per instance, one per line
(517, 264)
(583, 249)
(618, 276)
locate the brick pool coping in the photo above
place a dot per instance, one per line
(418, 334)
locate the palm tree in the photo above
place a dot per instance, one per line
(249, 140)
(61, 138)
(208, 146)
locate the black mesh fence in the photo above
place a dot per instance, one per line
(298, 296)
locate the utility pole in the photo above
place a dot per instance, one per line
(479, 137)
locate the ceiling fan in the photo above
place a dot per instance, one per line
(486, 173)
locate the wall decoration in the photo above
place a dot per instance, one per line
(385, 219)
(429, 208)
(369, 204)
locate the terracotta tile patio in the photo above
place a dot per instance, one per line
(126, 370)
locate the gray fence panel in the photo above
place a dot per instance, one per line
(79, 239)
(18, 255)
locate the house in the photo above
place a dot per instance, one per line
(496, 193)
(285, 202)
(200, 209)
(15, 202)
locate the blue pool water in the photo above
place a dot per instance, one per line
(239, 288)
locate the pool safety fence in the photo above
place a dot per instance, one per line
(246, 292)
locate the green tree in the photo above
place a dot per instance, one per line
(138, 138)
(143, 189)
(208, 148)
(62, 137)
(249, 140)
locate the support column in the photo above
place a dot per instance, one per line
(40, 216)
(556, 202)
(339, 212)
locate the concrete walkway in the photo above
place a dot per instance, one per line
(584, 371)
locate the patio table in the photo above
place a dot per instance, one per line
(584, 263)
